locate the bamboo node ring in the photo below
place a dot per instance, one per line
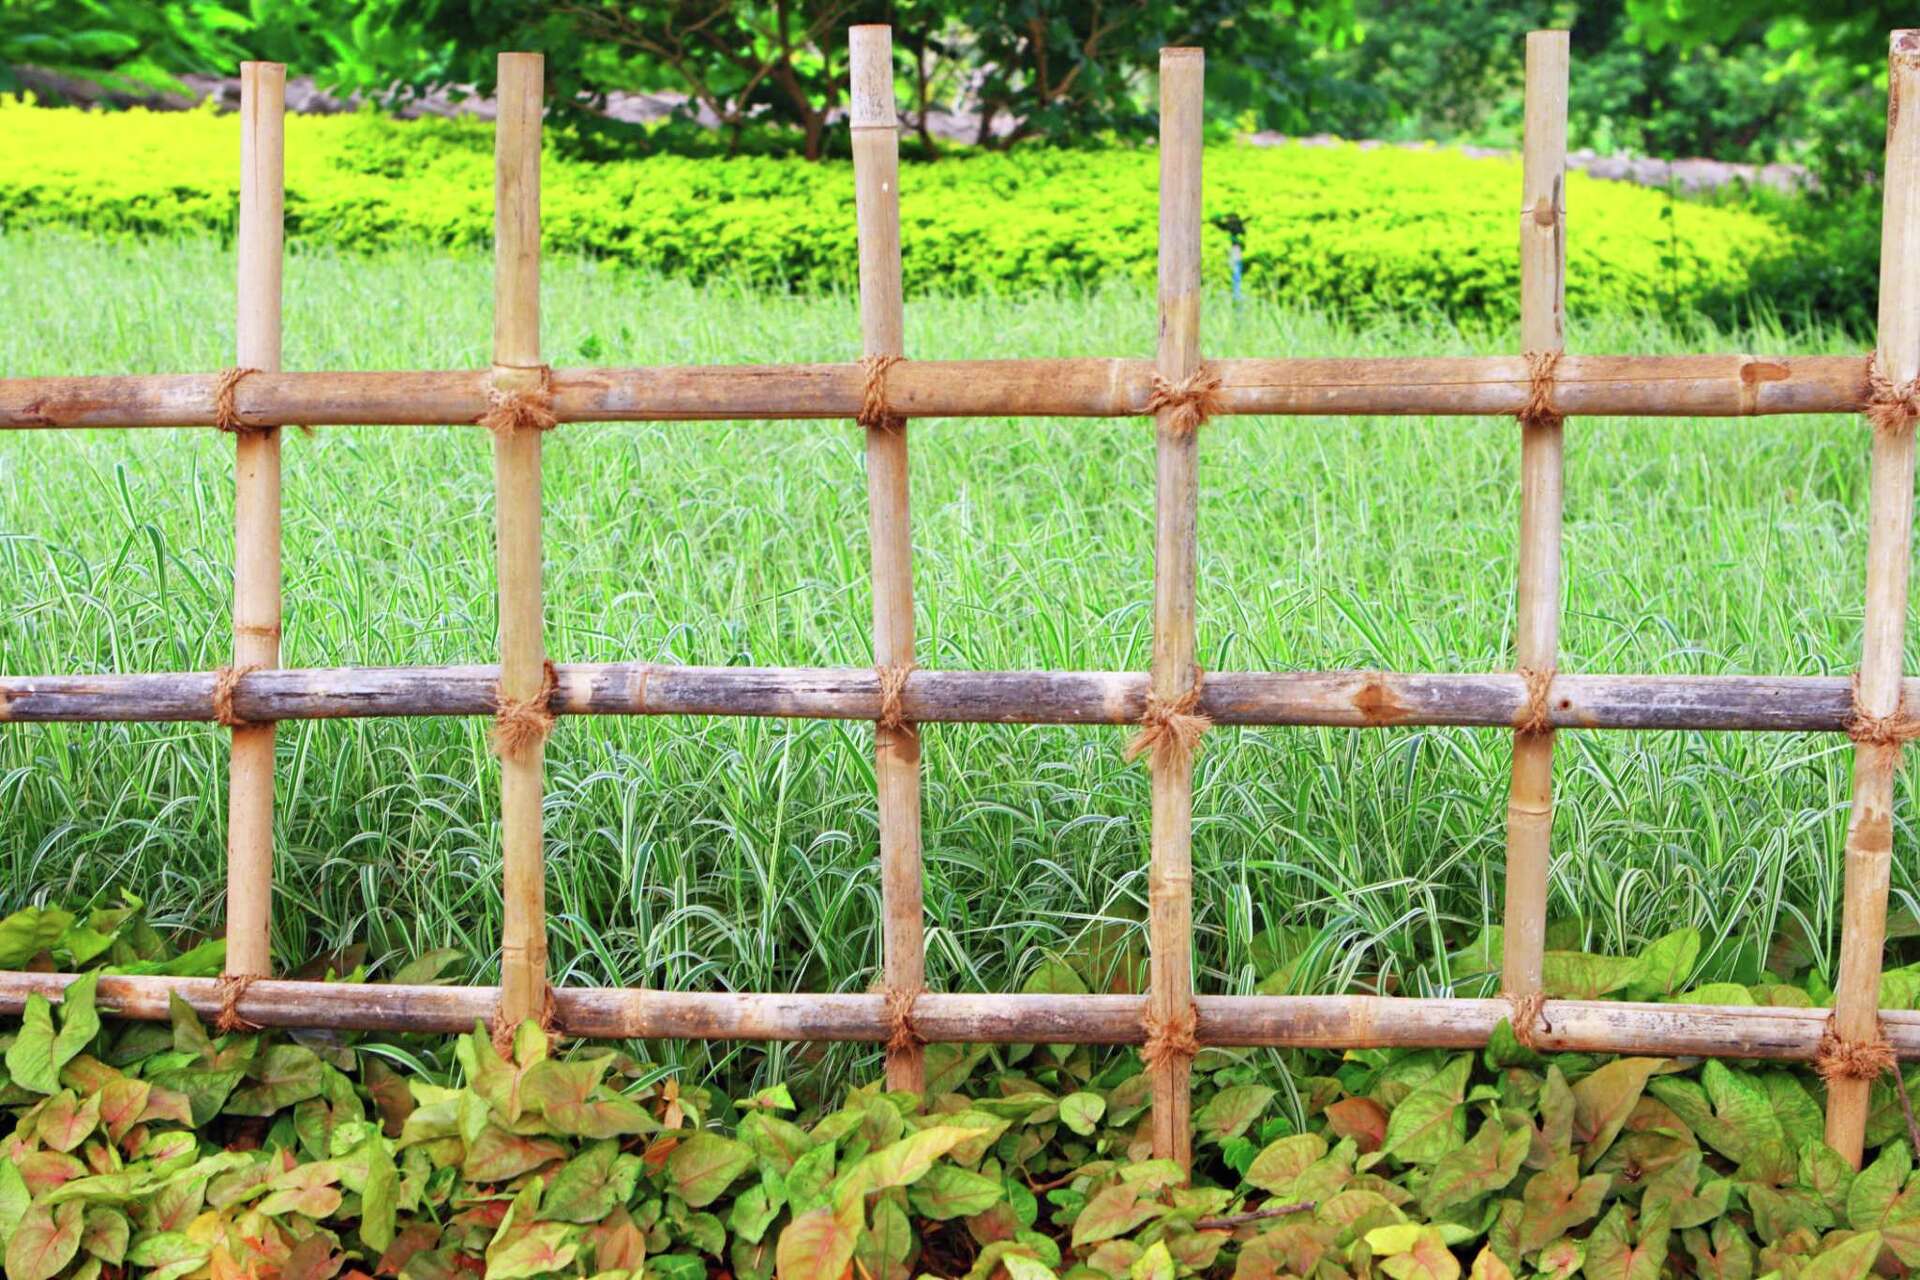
(1529, 1012)
(522, 723)
(1538, 411)
(226, 414)
(1891, 406)
(893, 684)
(1171, 728)
(232, 989)
(902, 1035)
(1172, 1038)
(1838, 1059)
(524, 408)
(874, 412)
(1536, 713)
(1189, 402)
(226, 682)
(1895, 729)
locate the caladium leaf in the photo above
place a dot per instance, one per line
(589, 1186)
(1429, 1122)
(38, 1051)
(1556, 1200)
(46, 1240)
(1285, 1159)
(1115, 1211)
(948, 1191)
(1412, 1251)
(1603, 1101)
(1484, 1165)
(275, 1080)
(705, 1165)
(1616, 1252)
(817, 1245)
(105, 1235)
(1361, 1119)
(1229, 1112)
(65, 1122)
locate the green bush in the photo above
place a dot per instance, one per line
(1343, 227)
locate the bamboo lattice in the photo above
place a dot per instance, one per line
(520, 398)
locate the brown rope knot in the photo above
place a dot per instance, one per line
(1172, 1038)
(874, 412)
(1189, 402)
(232, 989)
(1538, 410)
(1529, 1010)
(1536, 714)
(902, 1035)
(521, 723)
(226, 682)
(501, 1032)
(1894, 729)
(1838, 1059)
(520, 409)
(893, 685)
(226, 414)
(1171, 729)
(1891, 406)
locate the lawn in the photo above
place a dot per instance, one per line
(704, 854)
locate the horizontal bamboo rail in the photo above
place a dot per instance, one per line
(1703, 386)
(1338, 699)
(1298, 1022)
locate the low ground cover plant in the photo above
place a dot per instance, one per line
(1344, 227)
(173, 1150)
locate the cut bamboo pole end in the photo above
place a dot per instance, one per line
(1176, 497)
(517, 487)
(1869, 842)
(876, 179)
(256, 517)
(1537, 620)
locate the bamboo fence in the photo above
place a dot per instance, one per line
(519, 398)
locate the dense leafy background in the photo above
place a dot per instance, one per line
(1340, 227)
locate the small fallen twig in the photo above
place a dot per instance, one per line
(1906, 1104)
(1241, 1219)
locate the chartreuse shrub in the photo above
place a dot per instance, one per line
(1341, 227)
(171, 1152)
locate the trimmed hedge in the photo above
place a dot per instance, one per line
(1344, 227)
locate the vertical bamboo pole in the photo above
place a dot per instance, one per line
(256, 518)
(896, 765)
(1176, 499)
(1537, 629)
(516, 465)
(1889, 535)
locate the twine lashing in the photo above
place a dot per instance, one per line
(1894, 729)
(523, 723)
(232, 988)
(1838, 1059)
(1171, 728)
(1538, 410)
(902, 1035)
(527, 409)
(1529, 1013)
(1891, 406)
(1171, 1039)
(874, 412)
(1190, 401)
(1536, 714)
(226, 682)
(893, 685)
(226, 414)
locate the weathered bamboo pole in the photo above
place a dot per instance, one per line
(896, 763)
(1537, 620)
(1869, 849)
(516, 465)
(256, 518)
(1320, 1022)
(1341, 699)
(1176, 499)
(1710, 386)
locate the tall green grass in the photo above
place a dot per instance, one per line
(703, 854)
